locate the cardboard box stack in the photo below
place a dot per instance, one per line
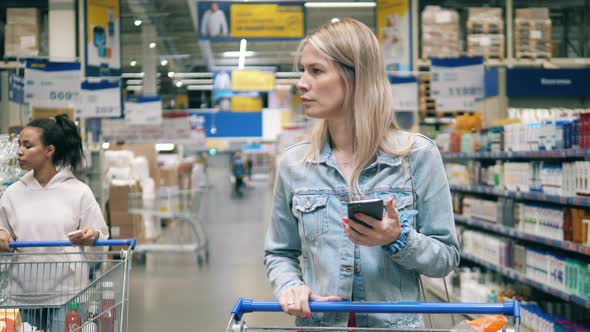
(124, 225)
(485, 33)
(21, 37)
(168, 190)
(532, 33)
(440, 33)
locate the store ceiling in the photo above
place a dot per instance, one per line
(177, 42)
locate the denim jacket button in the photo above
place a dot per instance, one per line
(357, 269)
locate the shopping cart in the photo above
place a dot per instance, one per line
(53, 287)
(182, 206)
(243, 306)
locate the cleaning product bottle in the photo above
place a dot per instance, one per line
(91, 324)
(107, 319)
(73, 321)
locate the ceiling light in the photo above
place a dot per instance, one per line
(137, 22)
(171, 74)
(106, 145)
(165, 147)
(133, 63)
(335, 19)
(152, 45)
(179, 84)
(164, 62)
(237, 54)
(339, 4)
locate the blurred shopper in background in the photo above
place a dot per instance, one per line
(355, 152)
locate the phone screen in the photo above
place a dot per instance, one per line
(371, 207)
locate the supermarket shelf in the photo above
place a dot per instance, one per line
(513, 233)
(555, 154)
(512, 274)
(439, 293)
(578, 201)
(559, 62)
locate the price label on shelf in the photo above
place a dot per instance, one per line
(100, 100)
(52, 84)
(457, 83)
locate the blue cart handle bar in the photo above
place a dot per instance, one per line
(43, 244)
(505, 308)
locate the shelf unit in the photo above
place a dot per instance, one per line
(528, 155)
(578, 201)
(512, 274)
(516, 234)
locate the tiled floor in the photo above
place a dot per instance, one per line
(172, 293)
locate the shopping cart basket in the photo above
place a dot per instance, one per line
(243, 306)
(54, 287)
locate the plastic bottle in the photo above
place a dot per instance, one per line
(107, 320)
(91, 324)
(73, 321)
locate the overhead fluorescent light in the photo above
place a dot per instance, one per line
(133, 63)
(179, 84)
(340, 4)
(196, 81)
(135, 87)
(288, 74)
(195, 75)
(165, 147)
(132, 75)
(236, 54)
(164, 62)
(135, 82)
(199, 87)
(137, 22)
(170, 74)
(152, 45)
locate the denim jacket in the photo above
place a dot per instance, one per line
(310, 199)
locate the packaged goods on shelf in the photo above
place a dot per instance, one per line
(485, 33)
(481, 209)
(532, 33)
(547, 222)
(440, 33)
(21, 36)
(535, 319)
(562, 274)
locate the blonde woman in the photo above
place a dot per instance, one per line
(355, 152)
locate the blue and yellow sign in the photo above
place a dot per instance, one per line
(263, 20)
(241, 103)
(102, 38)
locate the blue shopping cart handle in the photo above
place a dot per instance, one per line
(505, 308)
(43, 244)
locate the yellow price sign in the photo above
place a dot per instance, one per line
(246, 104)
(266, 21)
(252, 80)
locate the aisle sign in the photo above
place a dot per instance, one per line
(143, 111)
(100, 100)
(262, 20)
(457, 83)
(52, 84)
(405, 93)
(394, 30)
(246, 103)
(102, 38)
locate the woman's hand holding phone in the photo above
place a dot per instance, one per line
(83, 237)
(379, 232)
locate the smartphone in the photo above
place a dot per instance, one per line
(369, 207)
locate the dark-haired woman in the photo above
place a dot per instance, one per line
(48, 203)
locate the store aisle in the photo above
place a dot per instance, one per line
(174, 294)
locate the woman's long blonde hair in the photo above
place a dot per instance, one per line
(355, 50)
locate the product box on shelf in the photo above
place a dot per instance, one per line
(485, 33)
(21, 36)
(119, 196)
(532, 33)
(440, 32)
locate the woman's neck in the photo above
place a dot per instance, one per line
(44, 174)
(341, 135)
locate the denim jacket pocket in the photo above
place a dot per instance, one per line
(403, 198)
(312, 213)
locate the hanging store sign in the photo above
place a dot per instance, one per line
(246, 103)
(405, 93)
(457, 83)
(535, 82)
(52, 84)
(100, 100)
(143, 111)
(16, 89)
(394, 30)
(102, 38)
(233, 20)
(252, 80)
